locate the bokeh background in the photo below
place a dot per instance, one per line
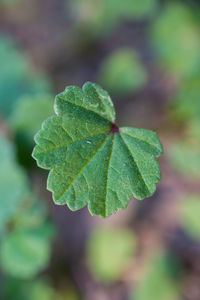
(146, 53)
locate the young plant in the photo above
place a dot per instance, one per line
(92, 160)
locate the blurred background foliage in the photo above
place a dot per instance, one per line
(17, 77)
(147, 55)
(122, 73)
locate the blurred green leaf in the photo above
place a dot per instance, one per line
(185, 158)
(134, 10)
(7, 152)
(186, 105)
(193, 129)
(92, 162)
(25, 290)
(27, 125)
(39, 290)
(189, 210)
(106, 14)
(25, 252)
(110, 252)
(17, 77)
(25, 244)
(13, 183)
(36, 289)
(32, 215)
(176, 40)
(122, 72)
(159, 281)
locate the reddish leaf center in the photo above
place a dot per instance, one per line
(114, 128)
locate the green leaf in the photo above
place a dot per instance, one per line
(122, 72)
(23, 253)
(159, 282)
(189, 213)
(92, 161)
(105, 264)
(176, 40)
(13, 182)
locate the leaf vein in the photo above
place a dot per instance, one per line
(73, 142)
(135, 162)
(107, 171)
(139, 139)
(71, 183)
(82, 107)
